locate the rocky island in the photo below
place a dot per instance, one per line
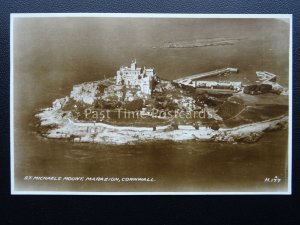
(136, 105)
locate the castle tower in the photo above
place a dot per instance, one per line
(133, 65)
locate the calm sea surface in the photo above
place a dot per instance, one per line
(187, 166)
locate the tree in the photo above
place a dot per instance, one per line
(214, 125)
(135, 105)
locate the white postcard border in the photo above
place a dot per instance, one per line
(148, 15)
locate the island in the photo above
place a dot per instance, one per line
(136, 105)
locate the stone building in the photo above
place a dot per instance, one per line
(218, 84)
(134, 76)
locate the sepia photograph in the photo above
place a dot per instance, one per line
(151, 104)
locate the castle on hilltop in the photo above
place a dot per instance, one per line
(137, 77)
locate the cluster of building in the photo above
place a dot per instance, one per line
(142, 78)
(134, 76)
(236, 86)
(211, 86)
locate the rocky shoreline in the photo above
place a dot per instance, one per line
(60, 126)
